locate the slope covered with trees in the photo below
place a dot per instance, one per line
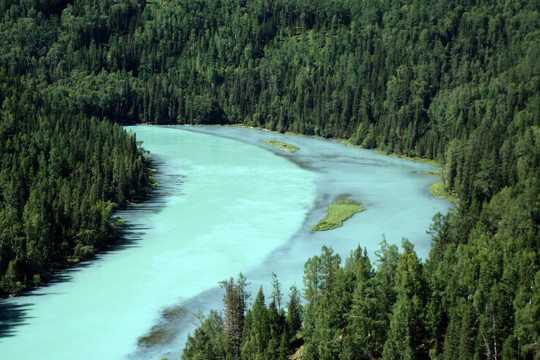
(61, 177)
(456, 80)
(62, 171)
(393, 309)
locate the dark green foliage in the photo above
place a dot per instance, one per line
(455, 81)
(235, 307)
(259, 332)
(208, 341)
(324, 312)
(61, 178)
(294, 314)
(405, 77)
(64, 168)
(406, 332)
(396, 311)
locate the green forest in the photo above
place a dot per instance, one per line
(456, 81)
(62, 175)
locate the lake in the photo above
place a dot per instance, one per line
(226, 203)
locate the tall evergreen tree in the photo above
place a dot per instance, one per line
(235, 307)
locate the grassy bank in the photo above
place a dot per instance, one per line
(436, 173)
(431, 162)
(337, 213)
(287, 147)
(438, 190)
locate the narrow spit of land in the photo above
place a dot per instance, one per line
(438, 190)
(281, 145)
(337, 213)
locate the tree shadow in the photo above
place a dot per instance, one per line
(12, 315)
(168, 334)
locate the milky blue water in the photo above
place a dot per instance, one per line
(226, 203)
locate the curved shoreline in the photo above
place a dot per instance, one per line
(339, 170)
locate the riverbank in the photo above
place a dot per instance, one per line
(220, 194)
(438, 190)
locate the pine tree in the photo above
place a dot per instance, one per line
(406, 331)
(294, 313)
(235, 304)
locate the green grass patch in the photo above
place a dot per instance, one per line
(290, 133)
(438, 190)
(337, 213)
(430, 173)
(434, 163)
(287, 147)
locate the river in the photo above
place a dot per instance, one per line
(226, 203)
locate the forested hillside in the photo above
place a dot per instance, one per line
(62, 172)
(62, 176)
(455, 80)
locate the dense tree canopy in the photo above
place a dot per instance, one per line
(455, 80)
(61, 178)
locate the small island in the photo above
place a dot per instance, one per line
(288, 147)
(337, 213)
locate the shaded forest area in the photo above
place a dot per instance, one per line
(62, 175)
(455, 80)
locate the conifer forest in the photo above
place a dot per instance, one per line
(455, 81)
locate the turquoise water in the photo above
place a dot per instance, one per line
(226, 203)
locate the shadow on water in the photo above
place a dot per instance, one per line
(14, 312)
(130, 235)
(167, 185)
(12, 315)
(167, 337)
(304, 164)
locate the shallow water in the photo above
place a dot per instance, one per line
(226, 203)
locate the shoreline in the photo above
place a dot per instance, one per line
(116, 239)
(314, 211)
